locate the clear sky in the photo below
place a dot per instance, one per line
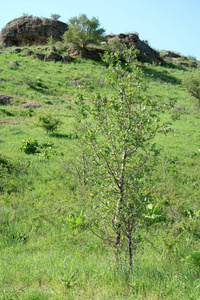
(166, 24)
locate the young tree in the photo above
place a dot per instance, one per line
(117, 133)
(83, 31)
(48, 122)
(192, 84)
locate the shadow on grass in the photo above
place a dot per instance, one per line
(70, 136)
(163, 76)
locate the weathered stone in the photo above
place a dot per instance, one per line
(75, 82)
(66, 57)
(89, 53)
(18, 50)
(5, 99)
(13, 64)
(194, 64)
(28, 52)
(31, 105)
(28, 30)
(170, 54)
(39, 56)
(146, 53)
(53, 56)
(184, 64)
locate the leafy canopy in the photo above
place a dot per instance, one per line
(83, 31)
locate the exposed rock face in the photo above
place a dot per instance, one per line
(179, 59)
(170, 54)
(146, 53)
(29, 30)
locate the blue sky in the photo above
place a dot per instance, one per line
(166, 24)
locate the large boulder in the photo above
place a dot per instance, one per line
(38, 56)
(146, 53)
(53, 56)
(28, 30)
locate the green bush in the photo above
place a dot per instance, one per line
(48, 122)
(192, 85)
(194, 259)
(30, 146)
(33, 146)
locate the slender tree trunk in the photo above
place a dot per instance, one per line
(115, 246)
(119, 207)
(130, 249)
(117, 228)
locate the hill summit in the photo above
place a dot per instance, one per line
(28, 30)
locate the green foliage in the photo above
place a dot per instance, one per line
(115, 45)
(34, 83)
(30, 146)
(48, 122)
(118, 131)
(33, 146)
(83, 31)
(194, 260)
(75, 220)
(51, 43)
(192, 84)
(153, 214)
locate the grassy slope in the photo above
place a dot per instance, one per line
(45, 252)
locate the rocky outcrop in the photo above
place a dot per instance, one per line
(39, 56)
(53, 56)
(146, 53)
(178, 59)
(28, 52)
(28, 30)
(167, 54)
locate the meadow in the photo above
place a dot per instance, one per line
(47, 250)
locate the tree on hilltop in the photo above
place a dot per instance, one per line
(55, 17)
(83, 31)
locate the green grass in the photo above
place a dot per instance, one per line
(44, 255)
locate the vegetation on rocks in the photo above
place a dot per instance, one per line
(82, 32)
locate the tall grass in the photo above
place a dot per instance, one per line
(47, 250)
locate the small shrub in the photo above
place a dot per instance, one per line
(30, 146)
(192, 85)
(194, 260)
(29, 81)
(48, 122)
(33, 146)
(36, 83)
(51, 43)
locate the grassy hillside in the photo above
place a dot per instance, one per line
(47, 250)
